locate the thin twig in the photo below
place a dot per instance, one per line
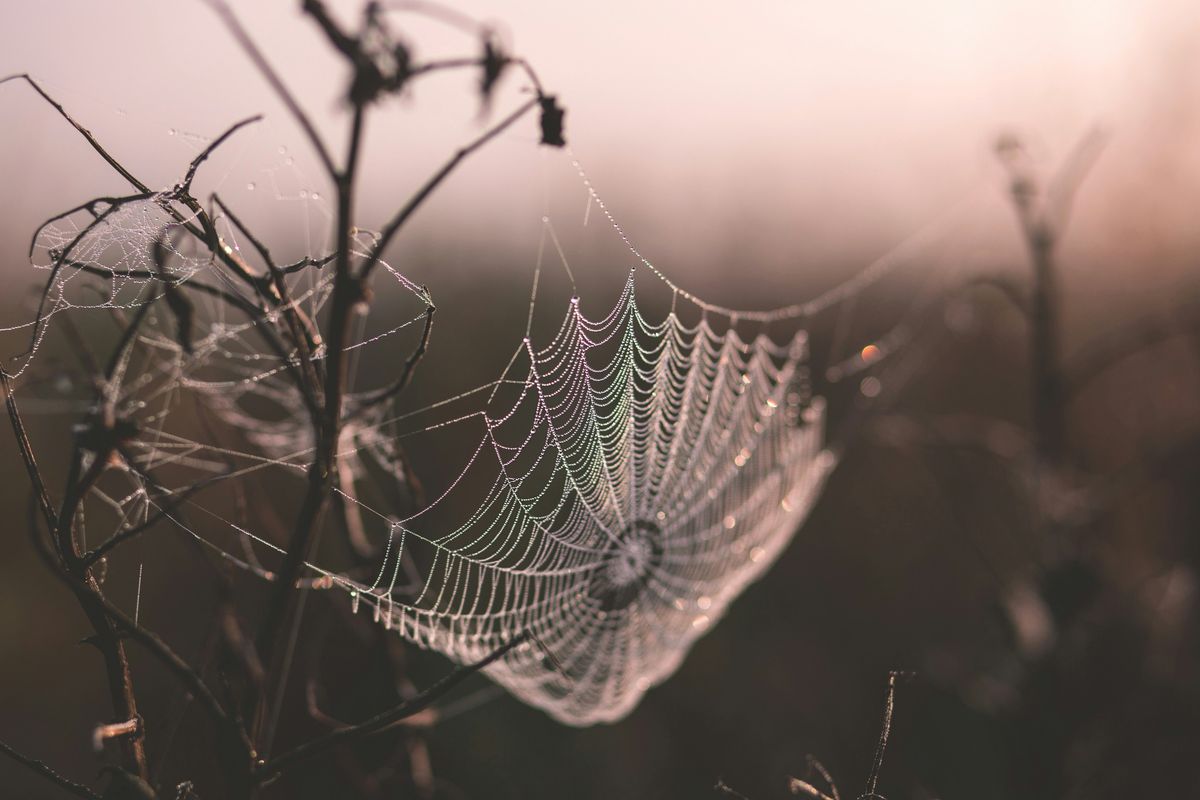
(300, 327)
(77, 789)
(185, 186)
(91, 140)
(84, 586)
(402, 380)
(386, 719)
(272, 77)
(885, 731)
(393, 227)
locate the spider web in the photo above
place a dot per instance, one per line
(625, 480)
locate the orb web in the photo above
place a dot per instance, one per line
(643, 475)
(623, 480)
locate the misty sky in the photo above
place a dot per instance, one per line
(782, 135)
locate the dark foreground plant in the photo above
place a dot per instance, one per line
(243, 702)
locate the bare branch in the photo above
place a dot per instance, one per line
(397, 222)
(386, 719)
(91, 140)
(77, 789)
(402, 380)
(272, 77)
(185, 186)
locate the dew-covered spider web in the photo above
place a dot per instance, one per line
(619, 483)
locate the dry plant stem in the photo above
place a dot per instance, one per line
(1048, 420)
(324, 395)
(77, 789)
(277, 85)
(885, 731)
(104, 617)
(349, 291)
(291, 314)
(388, 718)
(83, 584)
(285, 605)
(112, 162)
(410, 365)
(397, 222)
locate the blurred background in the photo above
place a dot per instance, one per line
(758, 155)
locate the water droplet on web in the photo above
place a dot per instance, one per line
(315, 196)
(250, 186)
(170, 131)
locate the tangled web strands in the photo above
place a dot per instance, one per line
(644, 475)
(626, 482)
(111, 237)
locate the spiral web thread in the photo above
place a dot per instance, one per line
(626, 481)
(645, 473)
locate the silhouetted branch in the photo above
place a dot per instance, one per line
(264, 67)
(91, 140)
(397, 386)
(388, 718)
(77, 789)
(397, 222)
